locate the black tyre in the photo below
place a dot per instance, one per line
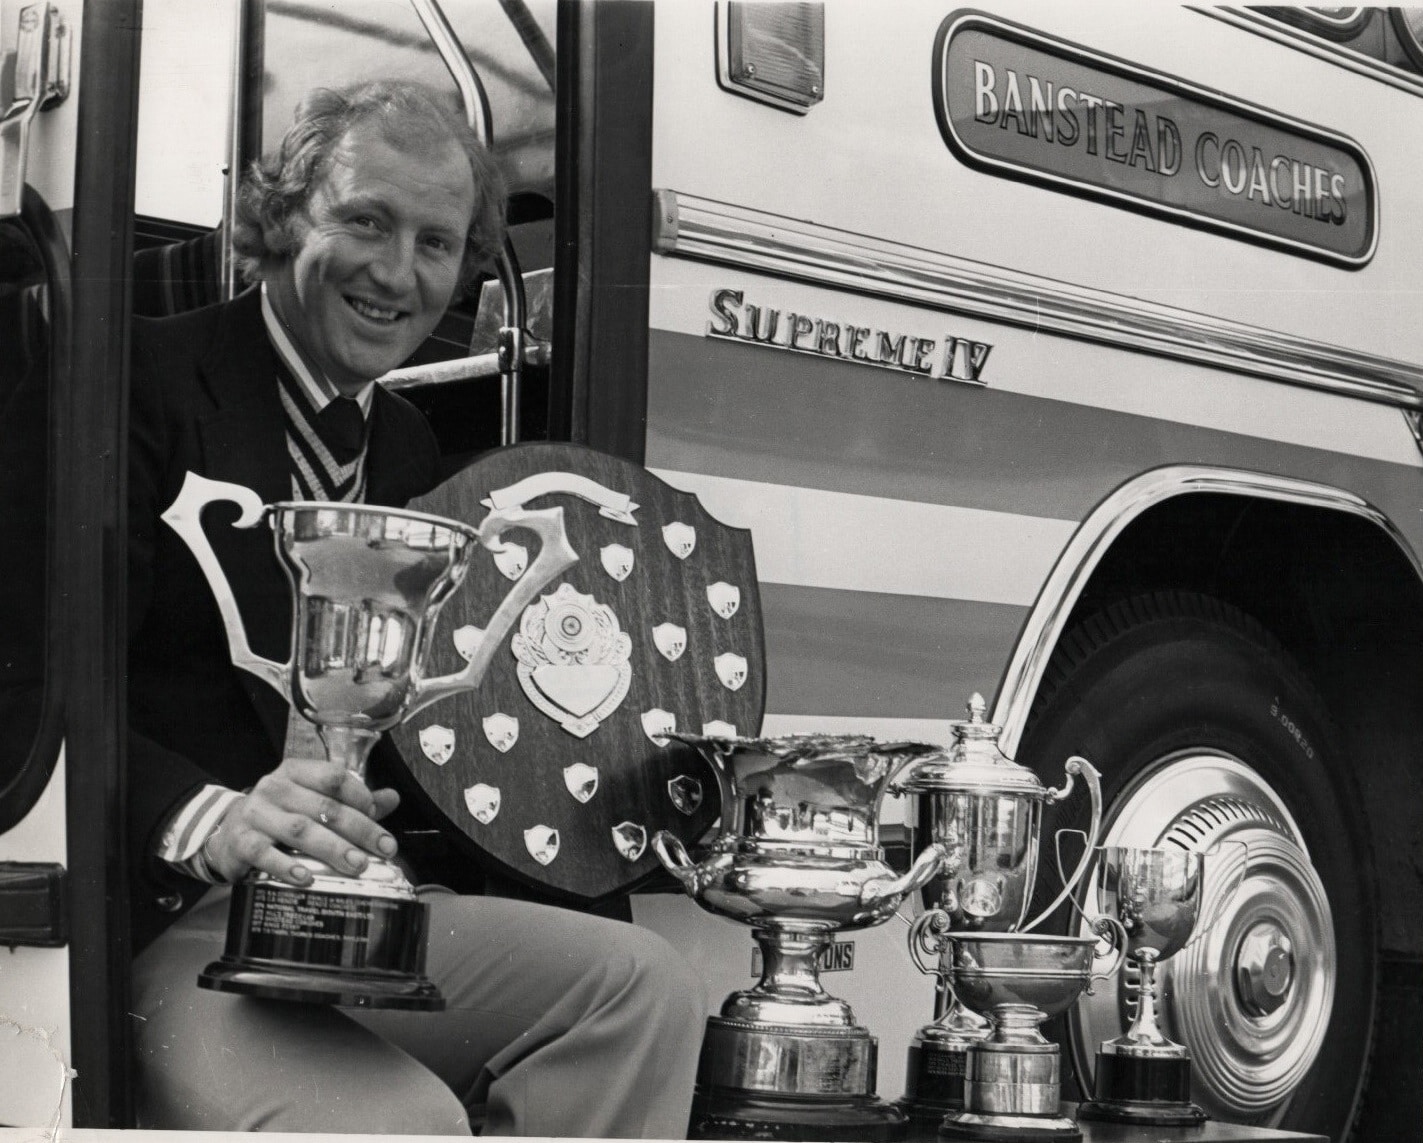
(1206, 732)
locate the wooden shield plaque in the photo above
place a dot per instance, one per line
(555, 769)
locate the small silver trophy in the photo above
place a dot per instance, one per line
(1143, 1076)
(367, 584)
(798, 858)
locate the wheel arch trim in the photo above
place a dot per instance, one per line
(1100, 529)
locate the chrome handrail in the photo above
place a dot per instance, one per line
(476, 107)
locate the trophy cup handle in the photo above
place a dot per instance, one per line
(1093, 779)
(184, 516)
(927, 937)
(1228, 896)
(1101, 926)
(935, 859)
(555, 556)
(677, 861)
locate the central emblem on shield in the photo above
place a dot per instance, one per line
(573, 659)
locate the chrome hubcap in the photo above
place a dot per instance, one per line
(1264, 969)
(1251, 995)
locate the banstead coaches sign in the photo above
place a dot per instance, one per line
(1022, 104)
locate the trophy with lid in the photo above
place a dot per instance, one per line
(798, 859)
(982, 1059)
(367, 584)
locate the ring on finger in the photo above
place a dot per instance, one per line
(324, 818)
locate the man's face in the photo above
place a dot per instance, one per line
(378, 258)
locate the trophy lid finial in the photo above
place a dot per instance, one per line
(974, 762)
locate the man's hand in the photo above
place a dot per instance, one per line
(315, 807)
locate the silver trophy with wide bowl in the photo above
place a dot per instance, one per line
(367, 584)
(1143, 1076)
(980, 1062)
(798, 859)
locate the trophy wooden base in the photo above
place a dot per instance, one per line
(743, 1115)
(1150, 1091)
(934, 1082)
(317, 946)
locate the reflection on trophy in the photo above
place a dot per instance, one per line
(1143, 1076)
(987, 810)
(798, 858)
(367, 583)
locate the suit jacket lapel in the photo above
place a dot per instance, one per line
(392, 472)
(243, 436)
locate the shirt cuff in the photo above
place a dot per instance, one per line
(181, 843)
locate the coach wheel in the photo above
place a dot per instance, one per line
(1209, 736)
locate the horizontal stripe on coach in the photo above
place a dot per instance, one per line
(859, 654)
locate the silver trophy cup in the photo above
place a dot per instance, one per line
(987, 810)
(1017, 981)
(1143, 1076)
(798, 859)
(367, 584)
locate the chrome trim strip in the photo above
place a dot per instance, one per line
(698, 228)
(1304, 41)
(1063, 586)
(460, 368)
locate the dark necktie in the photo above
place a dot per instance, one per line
(342, 427)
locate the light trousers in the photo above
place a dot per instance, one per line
(557, 1024)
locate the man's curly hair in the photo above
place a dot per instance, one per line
(278, 186)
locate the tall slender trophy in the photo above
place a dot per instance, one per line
(798, 858)
(367, 584)
(1143, 1076)
(988, 811)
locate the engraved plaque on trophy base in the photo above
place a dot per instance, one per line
(757, 1081)
(1012, 1091)
(320, 946)
(933, 1083)
(1153, 1091)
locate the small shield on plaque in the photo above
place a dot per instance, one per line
(671, 640)
(719, 729)
(685, 792)
(511, 560)
(680, 538)
(483, 802)
(502, 730)
(630, 839)
(617, 561)
(467, 640)
(656, 723)
(731, 670)
(581, 780)
(437, 743)
(724, 598)
(542, 843)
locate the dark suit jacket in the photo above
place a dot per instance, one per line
(205, 399)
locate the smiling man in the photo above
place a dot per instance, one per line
(378, 205)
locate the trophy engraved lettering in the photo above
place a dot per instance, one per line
(981, 1065)
(1143, 1076)
(367, 583)
(798, 858)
